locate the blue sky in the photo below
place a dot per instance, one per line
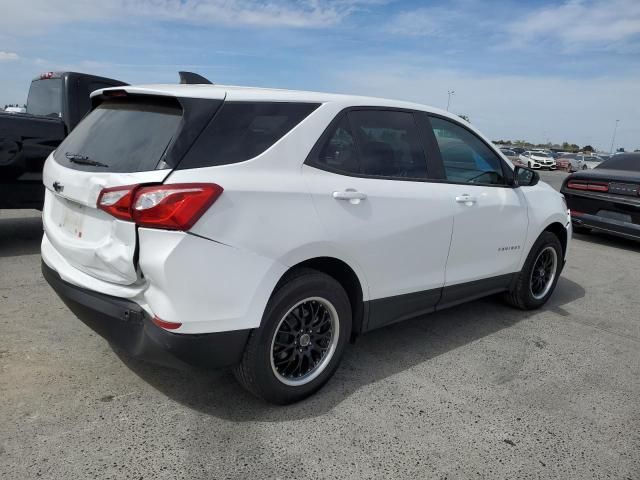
(537, 70)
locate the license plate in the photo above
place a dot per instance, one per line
(623, 188)
(73, 219)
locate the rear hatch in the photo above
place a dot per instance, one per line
(126, 140)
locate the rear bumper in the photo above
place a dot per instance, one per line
(607, 225)
(127, 326)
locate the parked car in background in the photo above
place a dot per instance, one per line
(15, 110)
(57, 101)
(510, 154)
(518, 150)
(592, 161)
(606, 198)
(263, 229)
(570, 162)
(537, 159)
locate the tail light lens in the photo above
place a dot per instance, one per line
(170, 207)
(117, 201)
(173, 207)
(594, 187)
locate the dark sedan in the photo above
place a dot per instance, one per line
(606, 198)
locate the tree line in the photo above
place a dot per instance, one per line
(565, 146)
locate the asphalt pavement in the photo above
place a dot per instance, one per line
(477, 391)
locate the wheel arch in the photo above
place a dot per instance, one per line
(559, 231)
(346, 276)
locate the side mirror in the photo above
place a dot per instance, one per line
(525, 177)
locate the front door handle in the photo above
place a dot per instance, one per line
(467, 199)
(351, 195)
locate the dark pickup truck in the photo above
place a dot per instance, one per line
(56, 103)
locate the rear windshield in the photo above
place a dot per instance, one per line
(629, 161)
(122, 136)
(243, 130)
(45, 97)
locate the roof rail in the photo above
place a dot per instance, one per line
(190, 78)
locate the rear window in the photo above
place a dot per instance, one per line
(45, 97)
(122, 136)
(628, 161)
(243, 130)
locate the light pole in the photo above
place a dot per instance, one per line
(449, 93)
(613, 139)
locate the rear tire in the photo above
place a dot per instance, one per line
(538, 278)
(305, 328)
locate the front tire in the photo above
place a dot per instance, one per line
(537, 280)
(299, 345)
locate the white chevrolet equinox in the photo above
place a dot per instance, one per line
(265, 229)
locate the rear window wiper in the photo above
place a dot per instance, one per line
(83, 160)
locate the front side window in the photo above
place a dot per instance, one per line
(466, 158)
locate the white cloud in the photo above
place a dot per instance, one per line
(421, 22)
(512, 106)
(582, 22)
(29, 17)
(8, 56)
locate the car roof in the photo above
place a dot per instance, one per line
(240, 93)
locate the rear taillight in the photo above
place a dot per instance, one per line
(591, 186)
(117, 201)
(171, 207)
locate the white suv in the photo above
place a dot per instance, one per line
(264, 229)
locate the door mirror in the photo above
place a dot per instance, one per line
(525, 177)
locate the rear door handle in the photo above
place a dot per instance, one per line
(467, 199)
(351, 195)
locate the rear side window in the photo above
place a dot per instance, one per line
(243, 130)
(45, 97)
(378, 143)
(466, 158)
(622, 161)
(122, 136)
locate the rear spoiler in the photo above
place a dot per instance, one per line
(186, 78)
